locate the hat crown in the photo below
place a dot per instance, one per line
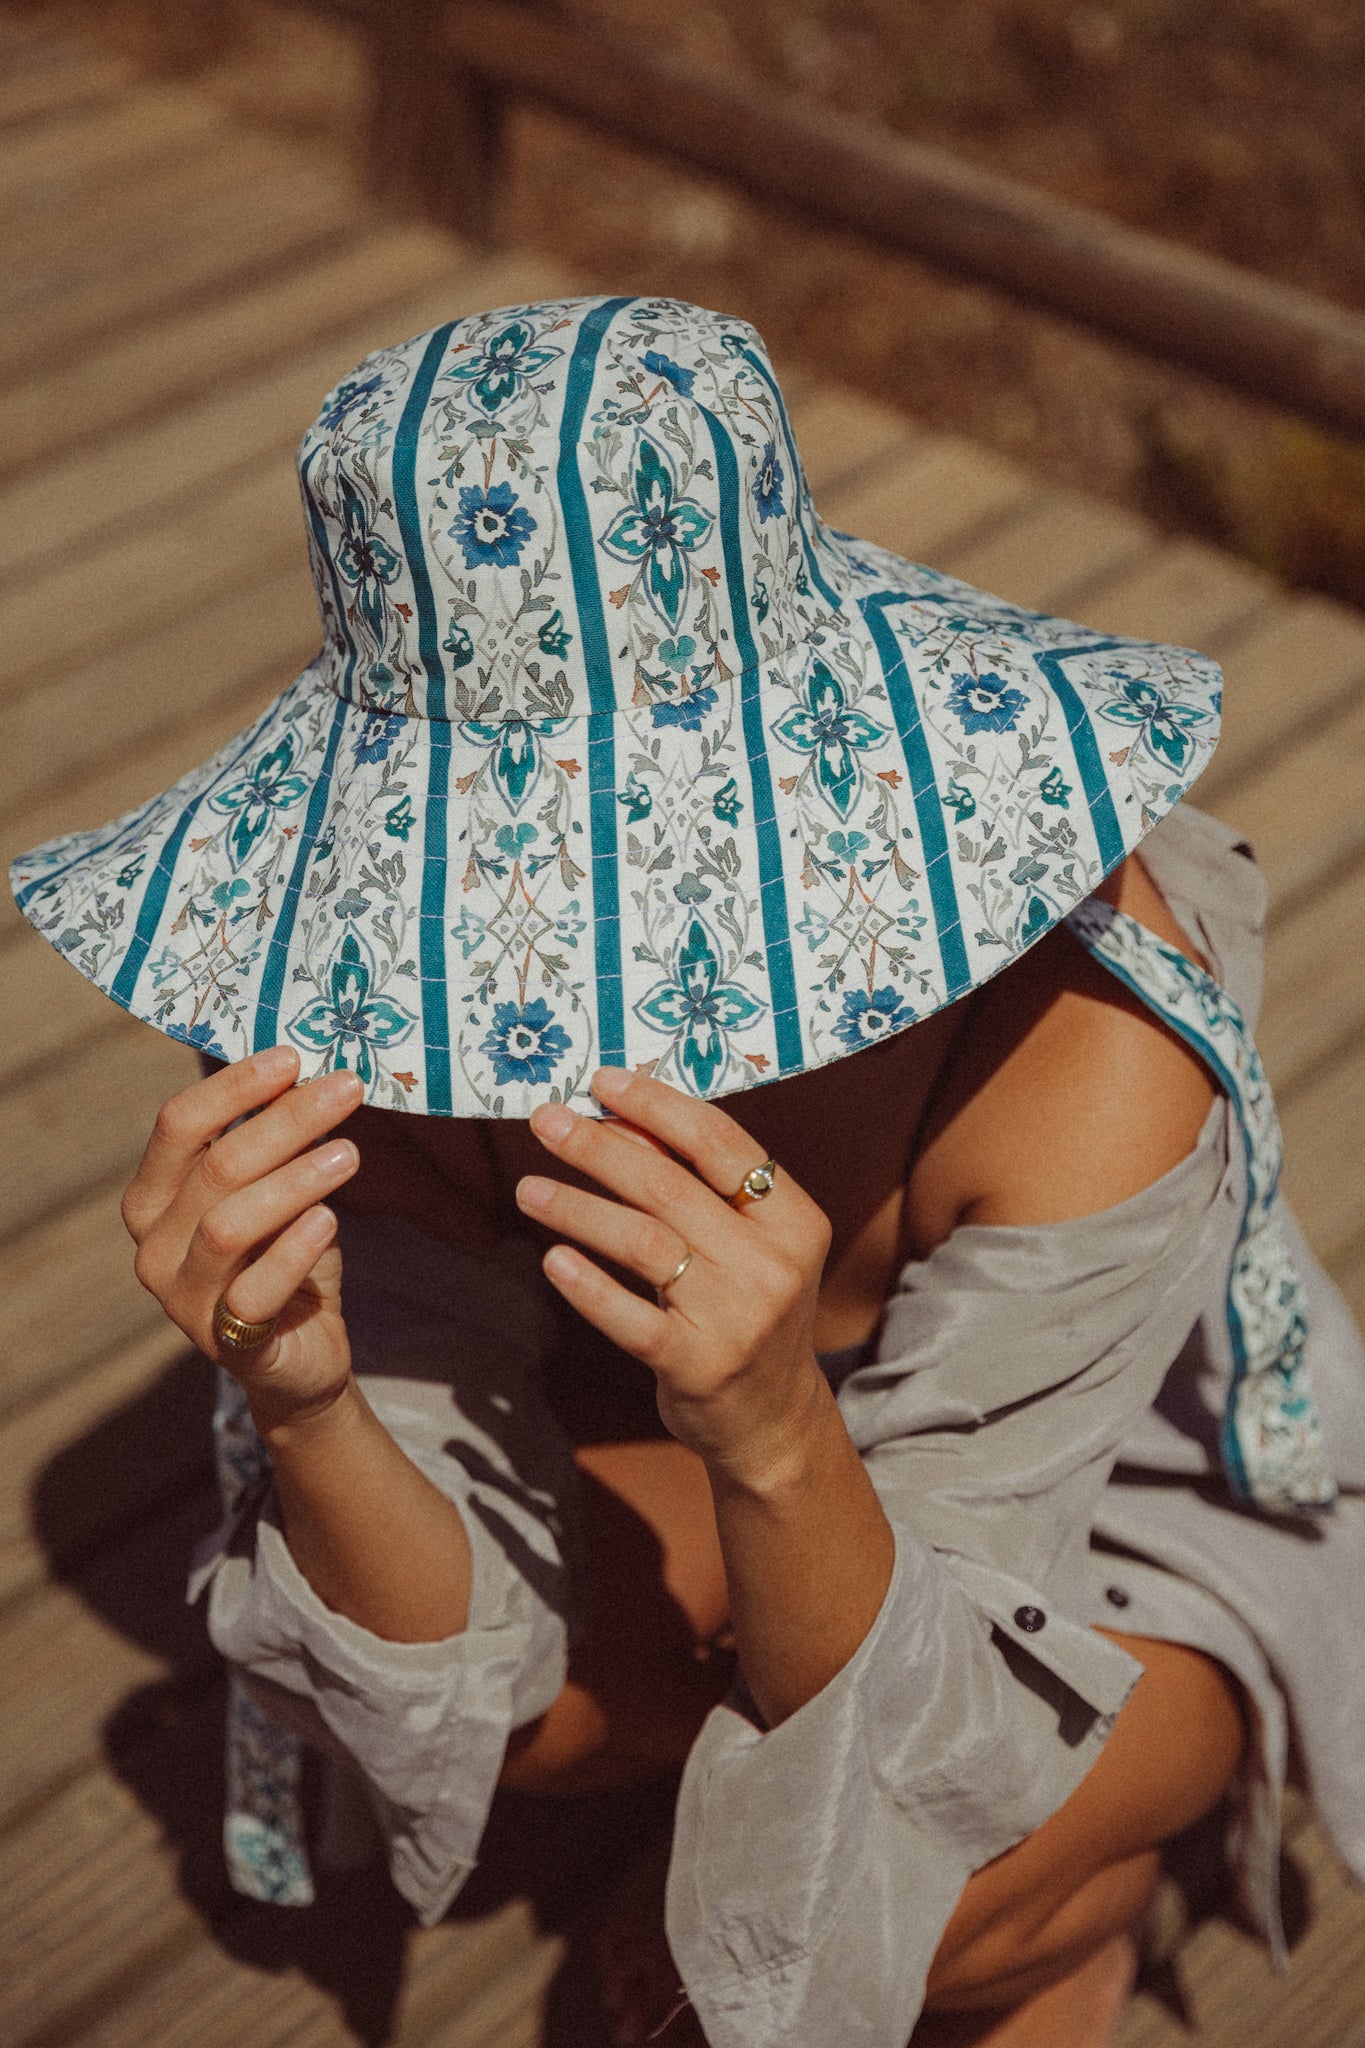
(549, 510)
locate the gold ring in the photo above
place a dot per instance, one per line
(231, 1331)
(757, 1183)
(662, 1289)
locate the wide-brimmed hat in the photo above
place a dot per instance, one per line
(614, 752)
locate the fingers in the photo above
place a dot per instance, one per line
(264, 1287)
(228, 1233)
(191, 1120)
(636, 1326)
(642, 1176)
(716, 1145)
(642, 1244)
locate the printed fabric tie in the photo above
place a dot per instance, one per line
(264, 1845)
(1272, 1444)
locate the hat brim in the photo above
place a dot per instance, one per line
(926, 789)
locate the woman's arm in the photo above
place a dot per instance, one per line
(236, 1214)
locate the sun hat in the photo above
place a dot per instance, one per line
(614, 752)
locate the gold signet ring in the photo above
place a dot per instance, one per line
(662, 1289)
(755, 1185)
(231, 1331)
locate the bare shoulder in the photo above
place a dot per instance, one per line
(1065, 1094)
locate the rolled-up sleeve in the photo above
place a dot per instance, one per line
(816, 1864)
(425, 1724)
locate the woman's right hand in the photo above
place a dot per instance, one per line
(237, 1215)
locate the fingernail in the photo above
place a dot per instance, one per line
(608, 1083)
(320, 1223)
(553, 1121)
(339, 1090)
(535, 1193)
(332, 1158)
(276, 1060)
(561, 1264)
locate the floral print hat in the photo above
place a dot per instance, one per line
(614, 752)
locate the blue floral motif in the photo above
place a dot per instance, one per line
(985, 704)
(271, 787)
(491, 527)
(768, 485)
(367, 562)
(201, 1036)
(1164, 725)
(347, 396)
(660, 365)
(554, 637)
(868, 1018)
(515, 744)
(827, 727)
(658, 532)
(376, 736)
(698, 1009)
(637, 799)
(458, 645)
(399, 819)
(525, 1044)
(350, 1024)
(686, 712)
(503, 366)
(727, 804)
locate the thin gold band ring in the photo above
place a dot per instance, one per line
(662, 1289)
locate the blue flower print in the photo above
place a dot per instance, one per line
(399, 819)
(503, 366)
(226, 893)
(829, 729)
(658, 532)
(660, 365)
(554, 637)
(698, 1009)
(525, 1043)
(367, 562)
(867, 1019)
(768, 484)
(985, 704)
(201, 1036)
(637, 799)
(687, 712)
(350, 1024)
(347, 396)
(727, 803)
(271, 787)
(492, 528)
(376, 736)
(1164, 725)
(515, 744)
(458, 645)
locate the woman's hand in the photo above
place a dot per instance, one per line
(237, 1215)
(731, 1343)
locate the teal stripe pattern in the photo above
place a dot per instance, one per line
(924, 789)
(152, 905)
(432, 912)
(1085, 747)
(602, 713)
(772, 886)
(757, 364)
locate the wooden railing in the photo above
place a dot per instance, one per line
(446, 70)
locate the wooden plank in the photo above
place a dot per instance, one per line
(94, 1429)
(185, 350)
(1058, 546)
(1348, 1270)
(1187, 594)
(77, 1654)
(840, 432)
(1305, 814)
(46, 1009)
(928, 499)
(77, 609)
(1286, 675)
(158, 259)
(1315, 984)
(47, 166)
(1324, 1141)
(69, 1298)
(77, 500)
(50, 78)
(84, 1119)
(244, 643)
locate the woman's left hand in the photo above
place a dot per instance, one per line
(732, 1341)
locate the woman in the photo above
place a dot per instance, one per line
(550, 865)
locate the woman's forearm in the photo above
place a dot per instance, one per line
(376, 1541)
(808, 1557)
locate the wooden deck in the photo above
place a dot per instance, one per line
(178, 292)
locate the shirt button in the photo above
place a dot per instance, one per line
(1029, 1619)
(1116, 1596)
